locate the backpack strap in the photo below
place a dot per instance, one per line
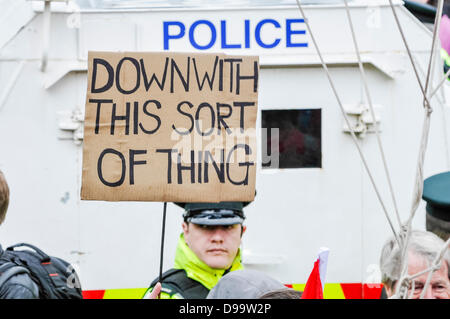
(43, 256)
(175, 281)
(9, 270)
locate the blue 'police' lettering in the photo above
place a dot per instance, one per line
(167, 36)
(247, 34)
(174, 30)
(192, 38)
(223, 33)
(258, 33)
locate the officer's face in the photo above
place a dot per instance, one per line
(216, 246)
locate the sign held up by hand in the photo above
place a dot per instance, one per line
(177, 127)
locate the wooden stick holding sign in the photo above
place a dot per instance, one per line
(170, 127)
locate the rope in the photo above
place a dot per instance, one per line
(444, 78)
(437, 24)
(405, 229)
(366, 89)
(441, 104)
(419, 183)
(407, 48)
(352, 133)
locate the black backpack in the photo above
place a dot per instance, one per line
(55, 277)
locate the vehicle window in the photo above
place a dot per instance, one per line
(298, 135)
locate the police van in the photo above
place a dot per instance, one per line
(316, 193)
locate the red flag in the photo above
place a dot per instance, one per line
(313, 288)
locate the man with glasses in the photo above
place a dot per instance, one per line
(422, 250)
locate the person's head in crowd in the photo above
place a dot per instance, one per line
(208, 248)
(422, 250)
(244, 284)
(285, 293)
(4, 197)
(213, 231)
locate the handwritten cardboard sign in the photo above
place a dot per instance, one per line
(170, 127)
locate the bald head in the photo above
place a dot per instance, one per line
(4, 197)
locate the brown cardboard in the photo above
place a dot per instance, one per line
(129, 161)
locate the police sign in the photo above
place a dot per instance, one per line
(170, 127)
(265, 33)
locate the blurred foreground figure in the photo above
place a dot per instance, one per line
(248, 284)
(423, 248)
(285, 293)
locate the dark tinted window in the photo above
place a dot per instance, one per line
(295, 134)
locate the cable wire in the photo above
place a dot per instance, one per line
(352, 133)
(369, 100)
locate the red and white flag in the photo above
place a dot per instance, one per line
(316, 281)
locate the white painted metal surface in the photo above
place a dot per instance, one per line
(296, 211)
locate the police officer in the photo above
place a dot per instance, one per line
(436, 192)
(207, 249)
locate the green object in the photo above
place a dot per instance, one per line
(436, 192)
(446, 58)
